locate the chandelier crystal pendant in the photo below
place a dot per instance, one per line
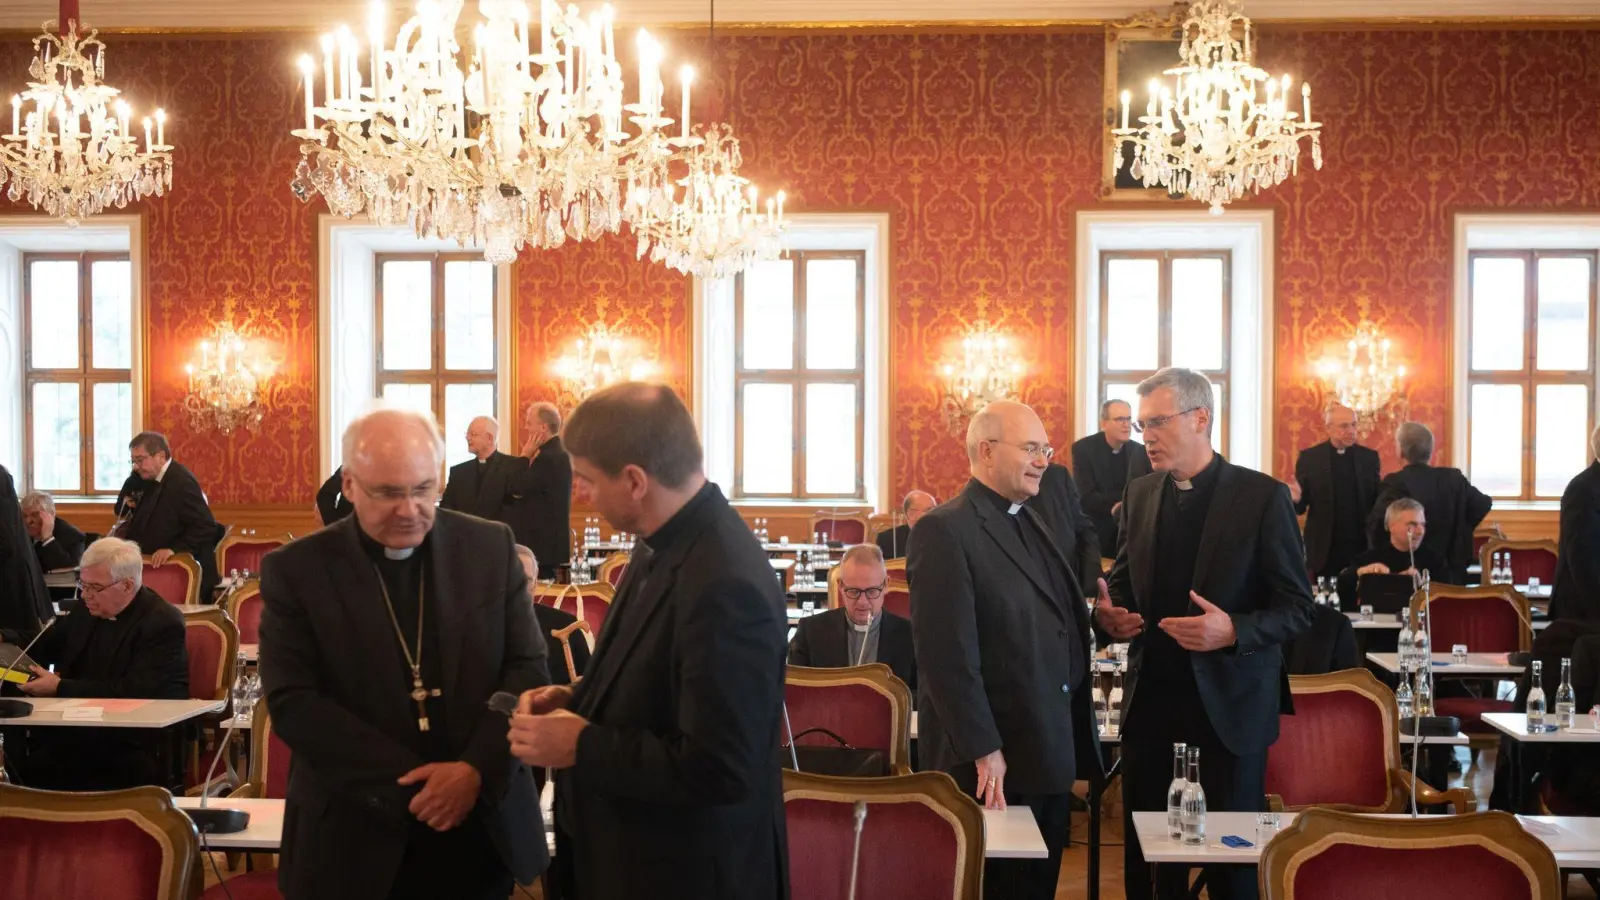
(599, 360)
(987, 371)
(1225, 127)
(226, 387)
(1365, 381)
(71, 151)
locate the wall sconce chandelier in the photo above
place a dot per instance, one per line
(986, 371)
(600, 359)
(227, 385)
(1365, 380)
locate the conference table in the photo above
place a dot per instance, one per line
(1478, 665)
(154, 715)
(1515, 727)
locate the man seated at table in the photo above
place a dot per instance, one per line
(860, 631)
(1406, 523)
(122, 641)
(552, 620)
(893, 542)
(57, 542)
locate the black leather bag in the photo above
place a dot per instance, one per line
(844, 759)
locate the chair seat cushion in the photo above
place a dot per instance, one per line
(1470, 711)
(261, 884)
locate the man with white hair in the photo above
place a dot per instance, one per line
(57, 542)
(1453, 506)
(1576, 592)
(382, 638)
(481, 485)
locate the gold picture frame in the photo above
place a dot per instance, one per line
(1138, 48)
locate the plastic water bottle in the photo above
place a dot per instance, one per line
(1100, 712)
(1403, 643)
(1175, 792)
(1403, 698)
(1536, 700)
(1566, 701)
(1423, 697)
(1421, 652)
(1194, 802)
(1114, 706)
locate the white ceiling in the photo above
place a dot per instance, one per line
(159, 15)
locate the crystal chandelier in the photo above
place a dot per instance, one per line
(986, 372)
(1364, 381)
(1225, 128)
(599, 360)
(226, 387)
(70, 150)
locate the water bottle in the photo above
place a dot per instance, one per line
(1194, 802)
(1402, 643)
(1423, 696)
(1536, 700)
(1421, 652)
(1566, 701)
(1175, 792)
(241, 690)
(1114, 706)
(1402, 698)
(1100, 711)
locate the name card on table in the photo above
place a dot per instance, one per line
(83, 714)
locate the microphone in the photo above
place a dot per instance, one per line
(10, 707)
(855, 852)
(503, 702)
(794, 755)
(218, 821)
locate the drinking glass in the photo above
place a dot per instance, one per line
(1458, 653)
(1267, 824)
(1366, 612)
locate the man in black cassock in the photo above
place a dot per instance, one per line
(1334, 486)
(24, 603)
(1407, 524)
(162, 509)
(1454, 507)
(1103, 463)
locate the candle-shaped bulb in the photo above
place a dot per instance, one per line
(686, 76)
(305, 64)
(1127, 97)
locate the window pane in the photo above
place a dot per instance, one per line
(462, 404)
(1498, 319)
(769, 315)
(469, 315)
(57, 438)
(1495, 438)
(112, 416)
(1563, 340)
(831, 315)
(1560, 436)
(768, 463)
(411, 396)
(1219, 419)
(1197, 313)
(407, 315)
(111, 316)
(831, 439)
(1132, 320)
(1128, 393)
(53, 316)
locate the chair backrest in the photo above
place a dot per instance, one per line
(1535, 558)
(878, 523)
(244, 604)
(895, 569)
(589, 602)
(114, 845)
(244, 550)
(1348, 717)
(1489, 618)
(178, 582)
(846, 528)
(213, 643)
(565, 635)
(897, 598)
(866, 705)
(269, 756)
(612, 570)
(1330, 855)
(922, 839)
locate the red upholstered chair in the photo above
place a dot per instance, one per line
(846, 528)
(866, 705)
(115, 845)
(589, 602)
(922, 838)
(612, 570)
(243, 550)
(1528, 558)
(213, 644)
(1330, 855)
(897, 598)
(269, 759)
(244, 605)
(178, 582)
(1490, 618)
(1341, 749)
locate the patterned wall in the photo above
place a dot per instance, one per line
(981, 147)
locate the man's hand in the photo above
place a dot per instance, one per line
(1120, 623)
(161, 556)
(1211, 630)
(1294, 490)
(545, 699)
(992, 780)
(549, 740)
(44, 684)
(1116, 507)
(1376, 568)
(449, 791)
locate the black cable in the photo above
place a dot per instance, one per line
(205, 848)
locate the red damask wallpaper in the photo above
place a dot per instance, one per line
(981, 147)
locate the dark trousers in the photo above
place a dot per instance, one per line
(1232, 784)
(461, 863)
(1026, 879)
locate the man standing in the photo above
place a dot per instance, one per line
(1103, 464)
(382, 638)
(1059, 506)
(1576, 592)
(893, 542)
(668, 771)
(541, 492)
(57, 542)
(479, 486)
(162, 509)
(1453, 506)
(1334, 484)
(860, 631)
(1209, 583)
(332, 504)
(24, 603)
(1001, 636)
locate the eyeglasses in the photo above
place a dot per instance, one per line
(871, 593)
(138, 460)
(422, 493)
(1034, 451)
(1121, 420)
(85, 587)
(1144, 425)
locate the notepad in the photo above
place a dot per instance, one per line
(83, 714)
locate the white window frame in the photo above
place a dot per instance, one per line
(1249, 235)
(346, 344)
(22, 234)
(714, 346)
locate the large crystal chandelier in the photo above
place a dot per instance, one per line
(600, 359)
(227, 384)
(986, 371)
(1225, 128)
(70, 150)
(1365, 381)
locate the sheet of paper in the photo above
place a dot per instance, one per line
(83, 714)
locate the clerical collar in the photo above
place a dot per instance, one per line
(1340, 450)
(999, 502)
(1117, 450)
(671, 530)
(1203, 478)
(376, 550)
(164, 467)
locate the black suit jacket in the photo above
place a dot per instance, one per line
(1314, 470)
(992, 651)
(64, 551)
(1252, 566)
(1094, 466)
(540, 501)
(337, 690)
(24, 602)
(151, 659)
(1576, 593)
(823, 641)
(332, 504)
(462, 494)
(173, 515)
(1453, 507)
(894, 541)
(552, 620)
(1058, 504)
(679, 769)
(1329, 645)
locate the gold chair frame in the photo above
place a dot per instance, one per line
(233, 540)
(612, 563)
(1506, 592)
(818, 518)
(880, 678)
(564, 635)
(189, 564)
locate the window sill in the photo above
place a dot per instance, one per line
(843, 506)
(81, 501)
(1525, 506)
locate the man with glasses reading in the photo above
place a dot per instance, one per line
(1104, 463)
(1208, 585)
(859, 631)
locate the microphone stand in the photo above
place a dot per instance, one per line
(11, 707)
(218, 821)
(860, 816)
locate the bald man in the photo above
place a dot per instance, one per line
(383, 637)
(894, 541)
(481, 485)
(1335, 484)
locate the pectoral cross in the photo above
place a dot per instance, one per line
(421, 694)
